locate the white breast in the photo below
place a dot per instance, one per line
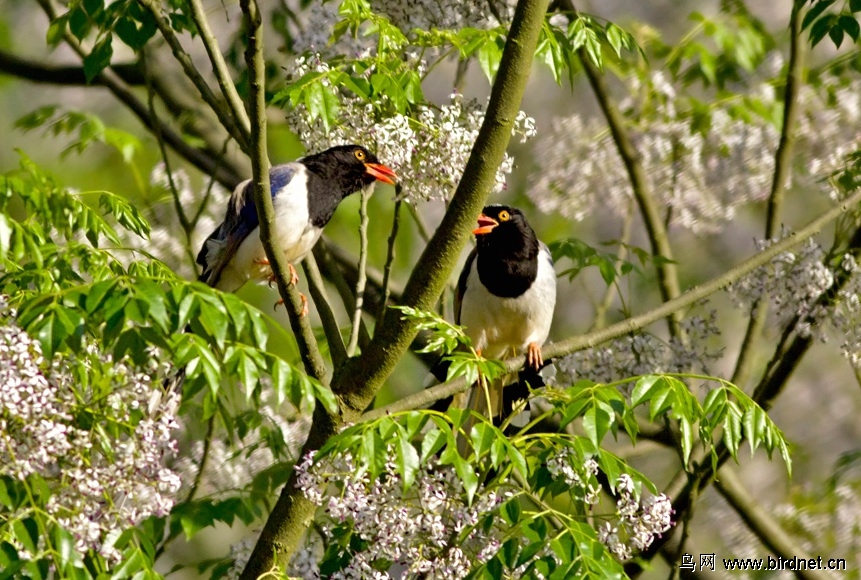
(497, 325)
(295, 236)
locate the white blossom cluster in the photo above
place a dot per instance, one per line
(229, 468)
(701, 178)
(407, 15)
(428, 152)
(829, 125)
(794, 281)
(644, 354)
(638, 522)
(580, 476)
(431, 530)
(100, 485)
(167, 241)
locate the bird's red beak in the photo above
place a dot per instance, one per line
(485, 225)
(381, 173)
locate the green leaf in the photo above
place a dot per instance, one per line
(855, 5)
(822, 27)
(836, 34)
(732, 429)
(482, 436)
(432, 442)
(597, 421)
(133, 33)
(57, 30)
(321, 102)
(64, 544)
(850, 26)
(645, 388)
(489, 57)
(814, 12)
(687, 430)
(408, 460)
(98, 59)
(79, 23)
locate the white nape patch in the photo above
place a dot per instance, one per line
(294, 235)
(496, 325)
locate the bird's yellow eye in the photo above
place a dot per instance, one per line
(504, 216)
(360, 155)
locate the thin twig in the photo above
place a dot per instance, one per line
(361, 278)
(324, 309)
(424, 231)
(225, 82)
(649, 210)
(187, 227)
(601, 310)
(390, 256)
(329, 267)
(42, 72)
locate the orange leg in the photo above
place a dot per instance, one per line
(533, 356)
(294, 277)
(304, 304)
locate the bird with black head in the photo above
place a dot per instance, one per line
(305, 194)
(506, 292)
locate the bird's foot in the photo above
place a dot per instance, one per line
(304, 305)
(534, 357)
(294, 277)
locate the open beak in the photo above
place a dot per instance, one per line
(485, 225)
(381, 173)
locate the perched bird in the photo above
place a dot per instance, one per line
(305, 194)
(506, 292)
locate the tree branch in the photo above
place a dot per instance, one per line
(324, 309)
(124, 94)
(635, 323)
(314, 364)
(230, 122)
(760, 522)
(782, 169)
(358, 381)
(685, 487)
(333, 268)
(40, 72)
(361, 279)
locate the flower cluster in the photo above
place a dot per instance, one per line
(793, 281)
(99, 445)
(638, 522)
(703, 177)
(232, 468)
(578, 475)
(644, 354)
(428, 149)
(796, 281)
(429, 530)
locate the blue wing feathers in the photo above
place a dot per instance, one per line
(240, 220)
